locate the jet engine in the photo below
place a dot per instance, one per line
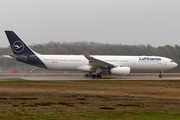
(120, 71)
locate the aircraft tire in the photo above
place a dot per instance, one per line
(160, 76)
(86, 75)
(93, 76)
(98, 75)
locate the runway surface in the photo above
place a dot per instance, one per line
(71, 78)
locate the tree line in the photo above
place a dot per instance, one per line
(93, 48)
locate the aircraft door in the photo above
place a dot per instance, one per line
(164, 62)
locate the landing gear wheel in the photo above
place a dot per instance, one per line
(86, 75)
(93, 76)
(98, 75)
(160, 76)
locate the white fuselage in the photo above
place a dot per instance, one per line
(76, 62)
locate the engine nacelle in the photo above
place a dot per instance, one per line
(120, 71)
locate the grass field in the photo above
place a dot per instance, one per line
(99, 100)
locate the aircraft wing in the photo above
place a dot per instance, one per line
(94, 62)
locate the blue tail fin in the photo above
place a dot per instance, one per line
(17, 45)
(23, 52)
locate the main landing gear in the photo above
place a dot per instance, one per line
(92, 75)
(160, 75)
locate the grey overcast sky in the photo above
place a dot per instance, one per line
(127, 22)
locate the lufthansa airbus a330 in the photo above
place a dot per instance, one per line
(94, 65)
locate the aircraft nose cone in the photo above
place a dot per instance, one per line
(175, 64)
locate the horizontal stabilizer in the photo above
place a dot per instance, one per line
(19, 58)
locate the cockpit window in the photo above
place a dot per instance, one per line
(171, 61)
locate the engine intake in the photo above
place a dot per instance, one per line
(120, 71)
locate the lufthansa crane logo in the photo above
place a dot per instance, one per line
(18, 46)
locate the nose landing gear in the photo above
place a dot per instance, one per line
(160, 75)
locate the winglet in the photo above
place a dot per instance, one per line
(87, 55)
